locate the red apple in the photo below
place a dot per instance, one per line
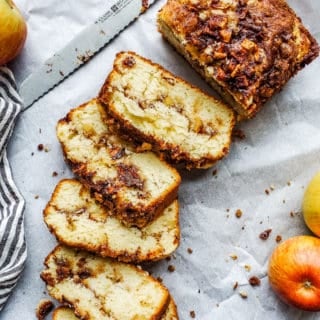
(294, 272)
(13, 31)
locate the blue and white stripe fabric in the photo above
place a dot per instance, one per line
(12, 241)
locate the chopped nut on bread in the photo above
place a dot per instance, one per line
(136, 187)
(102, 288)
(77, 220)
(152, 105)
(246, 50)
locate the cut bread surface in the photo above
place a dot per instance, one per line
(102, 288)
(65, 313)
(135, 186)
(246, 50)
(177, 119)
(77, 220)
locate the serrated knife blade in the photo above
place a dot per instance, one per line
(81, 48)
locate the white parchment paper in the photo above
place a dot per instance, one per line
(281, 151)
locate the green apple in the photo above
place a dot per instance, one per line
(311, 205)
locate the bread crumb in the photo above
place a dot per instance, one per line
(238, 133)
(43, 309)
(171, 268)
(233, 256)
(291, 214)
(254, 281)
(278, 238)
(265, 234)
(54, 173)
(238, 213)
(85, 57)
(267, 191)
(289, 183)
(36, 196)
(40, 147)
(168, 258)
(46, 149)
(235, 286)
(243, 294)
(272, 187)
(247, 267)
(192, 314)
(189, 250)
(214, 172)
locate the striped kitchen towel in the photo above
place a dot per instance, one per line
(12, 242)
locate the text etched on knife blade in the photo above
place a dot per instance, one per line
(114, 10)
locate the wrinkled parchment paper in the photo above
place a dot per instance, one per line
(281, 152)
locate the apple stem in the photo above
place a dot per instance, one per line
(307, 284)
(10, 3)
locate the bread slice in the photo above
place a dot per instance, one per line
(102, 288)
(177, 119)
(246, 50)
(134, 186)
(65, 313)
(77, 220)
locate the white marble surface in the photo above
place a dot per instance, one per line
(282, 144)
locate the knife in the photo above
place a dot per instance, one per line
(81, 48)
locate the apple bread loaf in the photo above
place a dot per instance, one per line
(102, 288)
(77, 220)
(179, 121)
(65, 313)
(135, 186)
(246, 49)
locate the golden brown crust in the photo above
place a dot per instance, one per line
(44, 307)
(171, 152)
(246, 49)
(171, 312)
